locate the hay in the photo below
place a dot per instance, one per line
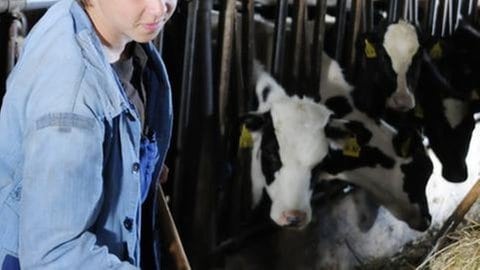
(462, 250)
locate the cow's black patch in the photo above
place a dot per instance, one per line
(417, 173)
(339, 105)
(269, 150)
(265, 92)
(360, 132)
(449, 144)
(336, 162)
(255, 121)
(348, 129)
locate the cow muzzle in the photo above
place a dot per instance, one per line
(421, 224)
(293, 219)
(401, 101)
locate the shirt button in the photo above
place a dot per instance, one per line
(128, 224)
(135, 167)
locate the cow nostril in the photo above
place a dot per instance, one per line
(293, 221)
(294, 218)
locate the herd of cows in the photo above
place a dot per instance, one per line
(411, 93)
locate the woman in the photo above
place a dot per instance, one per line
(84, 127)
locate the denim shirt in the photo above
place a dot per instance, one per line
(70, 194)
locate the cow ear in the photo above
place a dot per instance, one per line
(367, 46)
(254, 121)
(335, 129)
(405, 143)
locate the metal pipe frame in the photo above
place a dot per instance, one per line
(317, 51)
(340, 29)
(16, 32)
(184, 110)
(11, 5)
(296, 43)
(278, 58)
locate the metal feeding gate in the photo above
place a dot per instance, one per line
(210, 191)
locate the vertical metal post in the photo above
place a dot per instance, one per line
(367, 16)
(432, 16)
(248, 52)
(296, 44)
(279, 41)
(474, 11)
(227, 21)
(340, 29)
(318, 39)
(459, 15)
(184, 110)
(392, 11)
(354, 28)
(204, 213)
(17, 32)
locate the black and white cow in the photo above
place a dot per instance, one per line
(388, 64)
(448, 96)
(392, 165)
(288, 142)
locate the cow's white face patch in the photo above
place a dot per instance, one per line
(299, 128)
(455, 111)
(401, 44)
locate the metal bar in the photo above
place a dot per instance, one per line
(11, 5)
(204, 221)
(235, 194)
(473, 11)
(392, 10)
(296, 43)
(367, 15)
(318, 38)
(447, 18)
(406, 10)
(17, 32)
(226, 43)
(248, 52)
(459, 14)
(415, 12)
(356, 10)
(340, 29)
(432, 16)
(184, 110)
(279, 41)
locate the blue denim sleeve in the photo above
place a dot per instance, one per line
(62, 194)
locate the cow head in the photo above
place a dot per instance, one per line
(388, 69)
(457, 58)
(448, 92)
(392, 166)
(288, 142)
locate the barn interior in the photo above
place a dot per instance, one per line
(213, 50)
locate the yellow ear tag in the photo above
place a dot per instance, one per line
(405, 147)
(436, 52)
(419, 112)
(370, 51)
(246, 140)
(351, 148)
